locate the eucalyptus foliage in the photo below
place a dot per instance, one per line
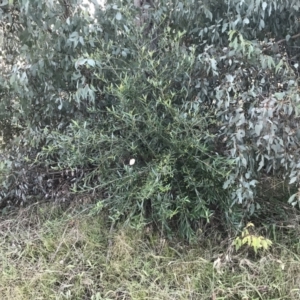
(167, 112)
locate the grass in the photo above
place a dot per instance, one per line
(47, 253)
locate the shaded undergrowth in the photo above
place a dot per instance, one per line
(48, 253)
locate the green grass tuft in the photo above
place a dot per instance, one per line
(46, 253)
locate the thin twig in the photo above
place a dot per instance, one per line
(61, 242)
(282, 40)
(110, 241)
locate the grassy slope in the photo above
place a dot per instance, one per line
(49, 254)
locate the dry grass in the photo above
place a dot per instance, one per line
(49, 254)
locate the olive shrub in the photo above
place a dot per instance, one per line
(171, 119)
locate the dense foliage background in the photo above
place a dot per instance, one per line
(173, 113)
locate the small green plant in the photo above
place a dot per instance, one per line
(252, 240)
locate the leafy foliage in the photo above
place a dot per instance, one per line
(202, 95)
(252, 240)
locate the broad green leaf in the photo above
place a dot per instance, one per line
(258, 128)
(293, 180)
(119, 16)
